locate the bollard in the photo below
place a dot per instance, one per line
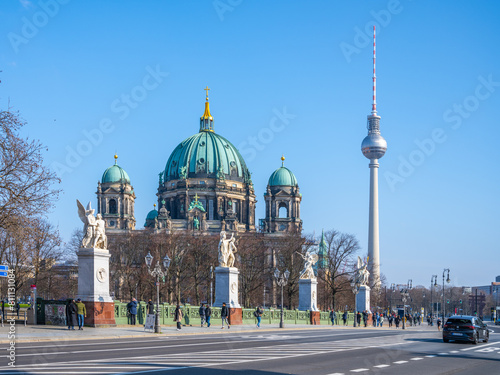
(25, 318)
(2, 320)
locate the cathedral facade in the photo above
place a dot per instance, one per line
(205, 187)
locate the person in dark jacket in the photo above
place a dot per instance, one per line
(151, 307)
(333, 316)
(71, 311)
(208, 314)
(358, 318)
(132, 310)
(224, 314)
(202, 314)
(396, 321)
(344, 317)
(178, 317)
(258, 314)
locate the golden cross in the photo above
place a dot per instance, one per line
(206, 89)
(196, 195)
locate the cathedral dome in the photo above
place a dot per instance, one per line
(152, 215)
(206, 154)
(115, 173)
(282, 176)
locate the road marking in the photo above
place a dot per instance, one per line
(455, 351)
(482, 346)
(442, 353)
(337, 373)
(360, 370)
(381, 366)
(416, 359)
(400, 362)
(430, 356)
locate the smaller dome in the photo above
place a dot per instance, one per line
(115, 173)
(153, 214)
(282, 177)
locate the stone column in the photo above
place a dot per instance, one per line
(363, 298)
(226, 291)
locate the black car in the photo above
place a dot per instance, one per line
(465, 328)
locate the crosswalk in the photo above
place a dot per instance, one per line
(165, 362)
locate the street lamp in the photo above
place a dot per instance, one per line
(281, 280)
(446, 270)
(157, 272)
(434, 283)
(404, 289)
(355, 285)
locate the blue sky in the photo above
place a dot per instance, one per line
(294, 75)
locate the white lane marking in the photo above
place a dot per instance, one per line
(430, 356)
(400, 362)
(442, 353)
(454, 351)
(416, 359)
(336, 373)
(482, 346)
(381, 366)
(360, 370)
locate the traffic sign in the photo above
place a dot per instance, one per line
(3, 267)
(3, 273)
(33, 287)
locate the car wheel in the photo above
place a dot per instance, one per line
(487, 337)
(476, 339)
(446, 340)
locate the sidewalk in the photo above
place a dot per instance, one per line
(57, 333)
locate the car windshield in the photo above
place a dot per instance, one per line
(458, 321)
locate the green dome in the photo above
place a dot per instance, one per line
(206, 154)
(152, 215)
(282, 177)
(115, 173)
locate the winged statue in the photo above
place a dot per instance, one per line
(94, 235)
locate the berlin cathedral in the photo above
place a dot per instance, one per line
(205, 187)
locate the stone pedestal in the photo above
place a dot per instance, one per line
(226, 287)
(308, 294)
(315, 318)
(363, 298)
(235, 316)
(93, 287)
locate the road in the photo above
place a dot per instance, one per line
(315, 351)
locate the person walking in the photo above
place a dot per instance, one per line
(208, 314)
(82, 313)
(344, 318)
(132, 310)
(258, 314)
(224, 314)
(365, 318)
(151, 307)
(202, 312)
(358, 318)
(396, 321)
(439, 324)
(390, 318)
(71, 311)
(333, 316)
(3, 310)
(178, 317)
(374, 319)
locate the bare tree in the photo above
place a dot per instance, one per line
(336, 271)
(25, 182)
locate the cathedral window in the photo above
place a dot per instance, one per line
(112, 206)
(283, 211)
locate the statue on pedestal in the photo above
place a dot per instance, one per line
(310, 259)
(361, 273)
(94, 228)
(227, 248)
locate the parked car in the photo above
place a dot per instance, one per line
(465, 328)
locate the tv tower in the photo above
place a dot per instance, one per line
(374, 147)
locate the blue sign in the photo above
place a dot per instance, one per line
(4, 268)
(3, 273)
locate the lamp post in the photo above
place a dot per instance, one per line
(393, 289)
(404, 290)
(157, 272)
(434, 283)
(446, 270)
(355, 285)
(281, 280)
(211, 285)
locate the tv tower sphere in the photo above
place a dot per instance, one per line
(374, 146)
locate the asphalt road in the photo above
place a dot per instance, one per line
(316, 351)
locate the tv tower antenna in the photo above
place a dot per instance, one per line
(374, 104)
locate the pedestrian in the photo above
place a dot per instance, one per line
(390, 319)
(258, 314)
(374, 319)
(202, 314)
(333, 316)
(439, 324)
(151, 307)
(365, 318)
(71, 311)
(82, 313)
(381, 320)
(3, 310)
(396, 321)
(132, 310)
(224, 314)
(344, 318)
(208, 314)
(178, 317)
